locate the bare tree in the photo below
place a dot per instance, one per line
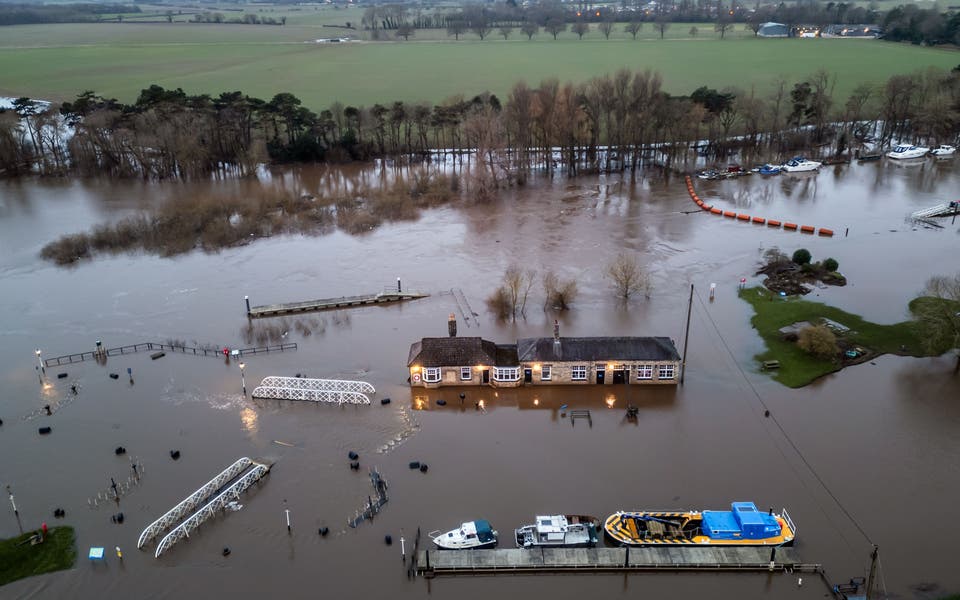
(554, 26)
(633, 28)
(606, 26)
(937, 314)
(580, 28)
(723, 24)
(510, 299)
(405, 31)
(627, 276)
(505, 31)
(662, 24)
(530, 29)
(559, 293)
(694, 31)
(456, 28)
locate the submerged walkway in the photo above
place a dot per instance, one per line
(67, 359)
(385, 297)
(706, 558)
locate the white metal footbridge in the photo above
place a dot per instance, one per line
(339, 391)
(212, 498)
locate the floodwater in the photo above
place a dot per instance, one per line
(869, 455)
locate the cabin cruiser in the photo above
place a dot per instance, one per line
(799, 164)
(943, 151)
(744, 525)
(470, 535)
(904, 152)
(559, 531)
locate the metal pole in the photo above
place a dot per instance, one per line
(43, 369)
(403, 551)
(288, 519)
(247, 300)
(398, 286)
(686, 337)
(16, 512)
(873, 572)
(243, 380)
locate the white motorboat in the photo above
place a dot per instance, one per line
(904, 152)
(943, 151)
(559, 531)
(798, 164)
(470, 535)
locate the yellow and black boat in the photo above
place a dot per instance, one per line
(742, 526)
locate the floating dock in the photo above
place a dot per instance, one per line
(385, 297)
(338, 391)
(431, 563)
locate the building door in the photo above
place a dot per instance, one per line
(486, 375)
(600, 376)
(528, 375)
(620, 376)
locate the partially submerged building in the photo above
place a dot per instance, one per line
(464, 361)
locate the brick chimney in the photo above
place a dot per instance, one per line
(556, 338)
(452, 325)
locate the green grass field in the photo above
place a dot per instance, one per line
(58, 61)
(797, 368)
(18, 560)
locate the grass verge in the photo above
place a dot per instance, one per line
(797, 368)
(17, 561)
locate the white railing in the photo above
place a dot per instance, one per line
(304, 383)
(285, 393)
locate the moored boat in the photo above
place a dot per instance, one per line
(470, 535)
(943, 151)
(559, 531)
(769, 169)
(904, 151)
(744, 525)
(799, 164)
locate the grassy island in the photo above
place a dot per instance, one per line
(19, 558)
(797, 367)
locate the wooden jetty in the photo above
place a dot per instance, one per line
(67, 359)
(289, 308)
(601, 560)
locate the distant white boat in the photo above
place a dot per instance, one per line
(943, 151)
(473, 534)
(905, 152)
(799, 164)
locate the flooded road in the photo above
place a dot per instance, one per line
(869, 455)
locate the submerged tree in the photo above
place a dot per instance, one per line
(559, 293)
(627, 276)
(937, 314)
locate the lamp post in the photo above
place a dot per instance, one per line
(43, 369)
(242, 379)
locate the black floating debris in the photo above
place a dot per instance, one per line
(226, 551)
(47, 408)
(353, 455)
(114, 376)
(44, 430)
(61, 375)
(385, 401)
(157, 355)
(73, 388)
(462, 395)
(120, 450)
(1, 421)
(766, 413)
(415, 465)
(323, 531)
(388, 539)
(117, 518)
(423, 468)
(355, 465)
(298, 375)
(441, 402)
(59, 513)
(175, 454)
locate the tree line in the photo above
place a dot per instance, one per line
(613, 122)
(23, 13)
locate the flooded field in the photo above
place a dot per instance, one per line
(869, 455)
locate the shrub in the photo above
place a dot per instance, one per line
(499, 303)
(559, 292)
(831, 265)
(818, 341)
(802, 256)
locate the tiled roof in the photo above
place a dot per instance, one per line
(461, 351)
(600, 349)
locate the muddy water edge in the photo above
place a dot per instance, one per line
(881, 437)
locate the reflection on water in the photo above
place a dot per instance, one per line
(700, 445)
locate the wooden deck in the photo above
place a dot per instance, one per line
(274, 310)
(598, 560)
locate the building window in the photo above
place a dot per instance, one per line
(545, 373)
(431, 375)
(578, 373)
(506, 373)
(644, 371)
(466, 373)
(665, 372)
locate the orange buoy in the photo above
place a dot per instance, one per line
(759, 220)
(790, 226)
(826, 232)
(743, 217)
(807, 229)
(773, 223)
(716, 211)
(730, 214)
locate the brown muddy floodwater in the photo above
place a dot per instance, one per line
(881, 438)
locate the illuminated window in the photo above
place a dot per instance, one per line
(466, 373)
(546, 373)
(431, 374)
(506, 373)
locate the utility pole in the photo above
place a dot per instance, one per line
(871, 579)
(16, 512)
(686, 337)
